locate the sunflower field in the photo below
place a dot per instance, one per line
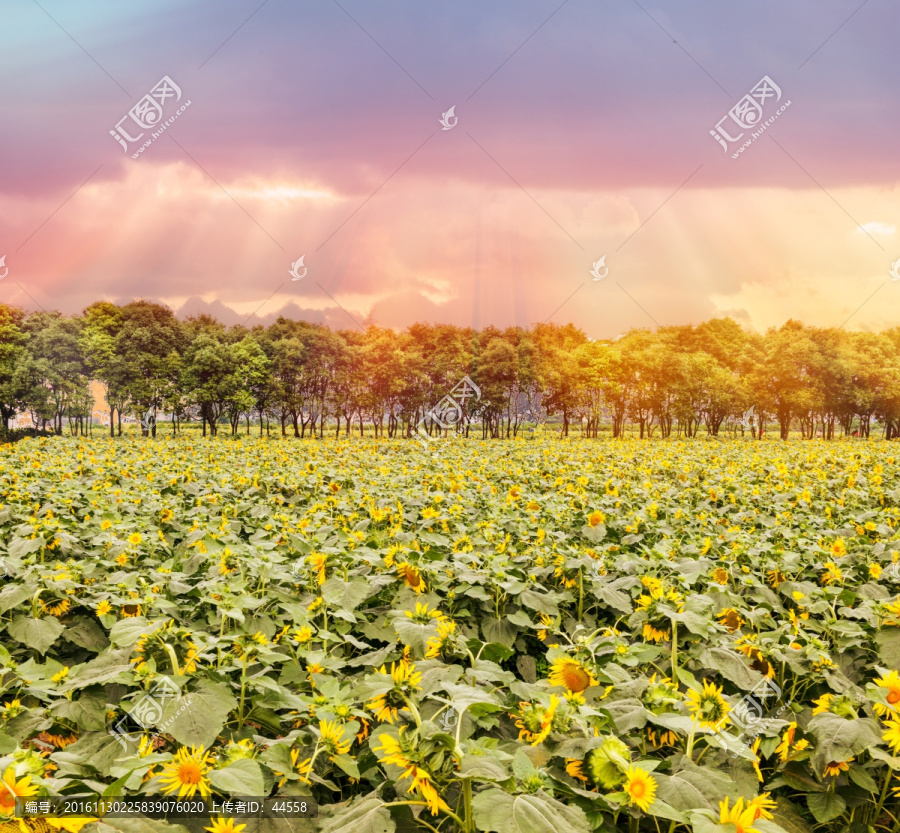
(510, 637)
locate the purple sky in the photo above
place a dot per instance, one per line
(583, 130)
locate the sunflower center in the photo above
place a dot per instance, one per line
(638, 789)
(190, 774)
(894, 696)
(575, 679)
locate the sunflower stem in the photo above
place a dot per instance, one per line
(674, 652)
(580, 593)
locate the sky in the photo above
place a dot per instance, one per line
(580, 135)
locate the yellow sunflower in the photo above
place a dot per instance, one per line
(411, 576)
(740, 816)
(10, 789)
(640, 787)
(221, 825)
(891, 682)
(398, 753)
(187, 773)
(406, 680)
(707, 706)
(571, 674)
(835, 768)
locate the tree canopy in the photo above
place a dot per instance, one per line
(305, 378)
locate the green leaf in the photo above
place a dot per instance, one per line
(347, 595)
(197, 717)
(86, 633)
(482, 768)
(101, 669)
(498, 812)
(838, 739)
(498, 630)
(127, 631)
(826, 806)
(888, 642)
(731, 666)
(39, 634)
(362, 815)
(414, 634)
(243, 777)
(12, 595)
(785, 815)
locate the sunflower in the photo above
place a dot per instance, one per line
(596, 518)
(302, 769)
(838, 548)
(832, 574)
(303, 634)
(317, 561)
(546, 622)
(730, 618)
(663, 738)
(574, 769)
(891, 682)
(167, 646)
(774, 577)
(10, 789)
(423, 615)
(720, 575)
(57, 608)
(411, 577)
(135, 538)
(762, 804)
(571, 674)
(398, 752)
(332, 738)
(534, 722)
(835, 768)
(788, 748)
(756, 761)
(130, 610)
(406, 680)
(640, 787)
(740, 816)
(186, 773)
(221, 825)
(892, 735)
(708, 707)
(441, 645)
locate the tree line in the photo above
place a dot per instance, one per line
(306, 378)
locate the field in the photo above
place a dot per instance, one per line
(518, 637)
